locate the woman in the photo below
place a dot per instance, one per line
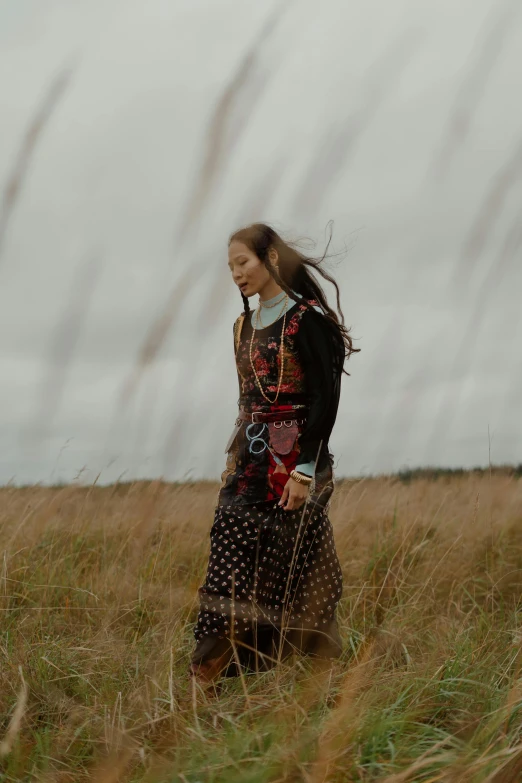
(273, 577)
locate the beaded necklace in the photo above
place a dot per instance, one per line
(274, 304)
(281, 351)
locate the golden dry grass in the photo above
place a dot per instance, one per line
(98, 595)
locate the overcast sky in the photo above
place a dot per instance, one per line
(400, 121)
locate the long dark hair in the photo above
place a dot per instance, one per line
(295, 275)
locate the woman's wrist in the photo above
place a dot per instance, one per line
(301, 478)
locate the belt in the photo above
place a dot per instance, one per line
(260, 416)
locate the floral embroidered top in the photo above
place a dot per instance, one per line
(275, 312)
(314, 359)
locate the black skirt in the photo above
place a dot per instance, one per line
(272, 586)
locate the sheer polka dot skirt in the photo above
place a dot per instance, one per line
(270, 569)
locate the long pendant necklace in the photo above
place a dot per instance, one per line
(282, 356)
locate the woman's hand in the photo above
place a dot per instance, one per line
(294, 494)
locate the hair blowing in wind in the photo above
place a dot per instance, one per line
(297, 273)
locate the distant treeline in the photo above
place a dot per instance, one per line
(432, 474)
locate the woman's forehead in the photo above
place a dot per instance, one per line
(237, 248)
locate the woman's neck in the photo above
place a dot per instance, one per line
(270, 290)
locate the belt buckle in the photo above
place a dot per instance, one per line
(254, 413)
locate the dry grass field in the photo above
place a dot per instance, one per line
(98, 596)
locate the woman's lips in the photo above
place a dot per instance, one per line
(242, 287)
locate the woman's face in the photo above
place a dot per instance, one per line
(248, 272)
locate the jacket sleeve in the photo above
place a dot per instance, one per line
(322, 354)
(308, 468)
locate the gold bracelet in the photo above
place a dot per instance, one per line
(301, 478)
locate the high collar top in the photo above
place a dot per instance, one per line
(274, 313)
